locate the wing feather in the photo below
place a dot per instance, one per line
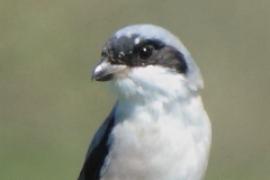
(98, 150)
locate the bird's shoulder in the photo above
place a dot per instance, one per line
(98, 149)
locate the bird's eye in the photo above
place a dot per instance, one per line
(146, 51)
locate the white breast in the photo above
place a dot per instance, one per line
(159, 141)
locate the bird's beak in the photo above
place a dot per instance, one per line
(106, 71)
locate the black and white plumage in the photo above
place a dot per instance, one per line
(158, 129)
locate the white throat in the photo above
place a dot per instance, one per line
(151, 82)
(155, 93)
(160, 125)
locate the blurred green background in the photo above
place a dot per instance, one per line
(49, 108)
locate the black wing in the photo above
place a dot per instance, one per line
(98, 150)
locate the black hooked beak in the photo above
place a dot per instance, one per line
(105, 71)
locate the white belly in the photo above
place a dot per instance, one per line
(159, 150)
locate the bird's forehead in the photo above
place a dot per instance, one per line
(121, 46)
(137, 33)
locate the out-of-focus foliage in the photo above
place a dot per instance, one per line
(49, 108)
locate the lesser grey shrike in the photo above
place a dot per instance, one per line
(158, 128)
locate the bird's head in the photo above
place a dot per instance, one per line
(147, 60)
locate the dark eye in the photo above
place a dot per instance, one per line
(146, 51)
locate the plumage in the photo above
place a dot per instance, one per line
(159, 129)
(98, 150)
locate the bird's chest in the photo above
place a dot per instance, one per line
(146, 148)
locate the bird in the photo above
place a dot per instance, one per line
(158, 128)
